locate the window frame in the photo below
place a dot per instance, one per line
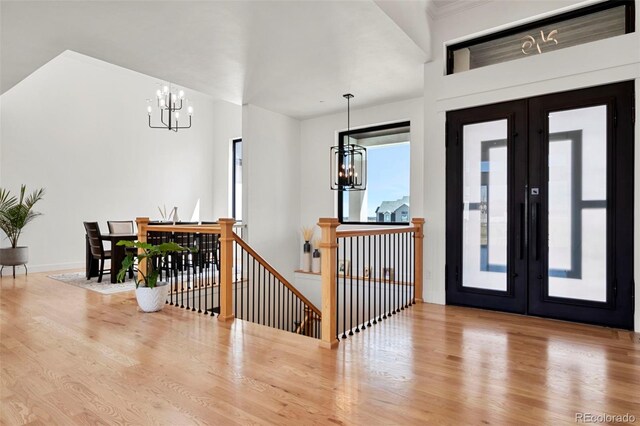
(374, 128)
(233, 174)
(583, 11)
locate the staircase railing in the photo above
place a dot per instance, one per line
(225, 276)
(368, 275)
(270, 299)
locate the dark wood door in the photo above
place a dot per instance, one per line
(540, 206)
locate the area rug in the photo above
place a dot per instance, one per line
(79, 279)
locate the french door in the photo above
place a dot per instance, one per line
(540, 206)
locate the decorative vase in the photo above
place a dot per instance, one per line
(306, 257)
(152, 299)
(315, 263)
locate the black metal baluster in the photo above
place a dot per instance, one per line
(245, 276)
(214, 268)
(368, 266)
(344, 288)
(357, 284)
(413, 267)
(270, 303)
(196, 275)
(337, 281)
(392, 277)
(403, 243)
(364, 300)
(383, 261)
(264, 295)
(190, 275)
(406, 270)
(350, 284)
(377, 278)
(253, 292)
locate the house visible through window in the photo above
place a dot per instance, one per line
(386, 199)
(236, 178)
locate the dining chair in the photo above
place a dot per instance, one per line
(124, 227)
(95, 243)
(121, 227)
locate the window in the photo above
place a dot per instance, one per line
(386, 199)
(236, 180)
(591, 23)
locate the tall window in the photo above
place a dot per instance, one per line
(236, 178)
(386, 199)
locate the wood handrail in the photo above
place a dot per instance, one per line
(202, 229)
(276, 274)
(378, 231)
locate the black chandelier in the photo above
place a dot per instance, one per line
(348, 160)
(170, 101)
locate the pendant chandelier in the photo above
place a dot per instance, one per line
(170, 101)
(348, 160)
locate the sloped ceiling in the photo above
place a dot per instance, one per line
(292, 57)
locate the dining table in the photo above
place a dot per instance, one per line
(117, 255)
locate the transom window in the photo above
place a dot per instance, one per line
(386, 199)
(595, 22)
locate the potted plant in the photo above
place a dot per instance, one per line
(15, 214)
(151, 294)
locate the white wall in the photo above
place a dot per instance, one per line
(320, 134)
(597, 63)
(78, 127)
(271, 187)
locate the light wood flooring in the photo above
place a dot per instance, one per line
(70, 356)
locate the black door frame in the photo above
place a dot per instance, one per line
(527, 276)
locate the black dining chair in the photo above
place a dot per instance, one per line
(95, 243)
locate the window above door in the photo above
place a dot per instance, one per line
(595, 22)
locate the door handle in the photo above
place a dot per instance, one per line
(535, 223)
(522, 231)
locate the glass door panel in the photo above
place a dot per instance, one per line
(485, 223)
(577, 204)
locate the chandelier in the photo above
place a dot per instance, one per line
(348, 160)
(170, 101)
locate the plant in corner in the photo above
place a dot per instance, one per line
(15, 214)
(151, 294)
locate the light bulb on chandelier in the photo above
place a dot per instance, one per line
(170, 101)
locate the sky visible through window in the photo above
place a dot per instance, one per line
(387, 174)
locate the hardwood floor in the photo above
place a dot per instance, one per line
(71, 356)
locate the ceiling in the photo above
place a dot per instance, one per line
(292, 57)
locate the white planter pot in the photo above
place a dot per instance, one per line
(14, 256)
(152, 299)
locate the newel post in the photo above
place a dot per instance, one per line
(142, 223)
(226, 269)
(418, 222)
(329, 247)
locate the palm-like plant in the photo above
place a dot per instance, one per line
(16, 213)
(153, 254)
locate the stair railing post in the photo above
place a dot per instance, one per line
(328, 251)
(418, 253)
(142, 223)
(226, 269)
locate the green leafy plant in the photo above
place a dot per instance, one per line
(16, 213)
(154, 255)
